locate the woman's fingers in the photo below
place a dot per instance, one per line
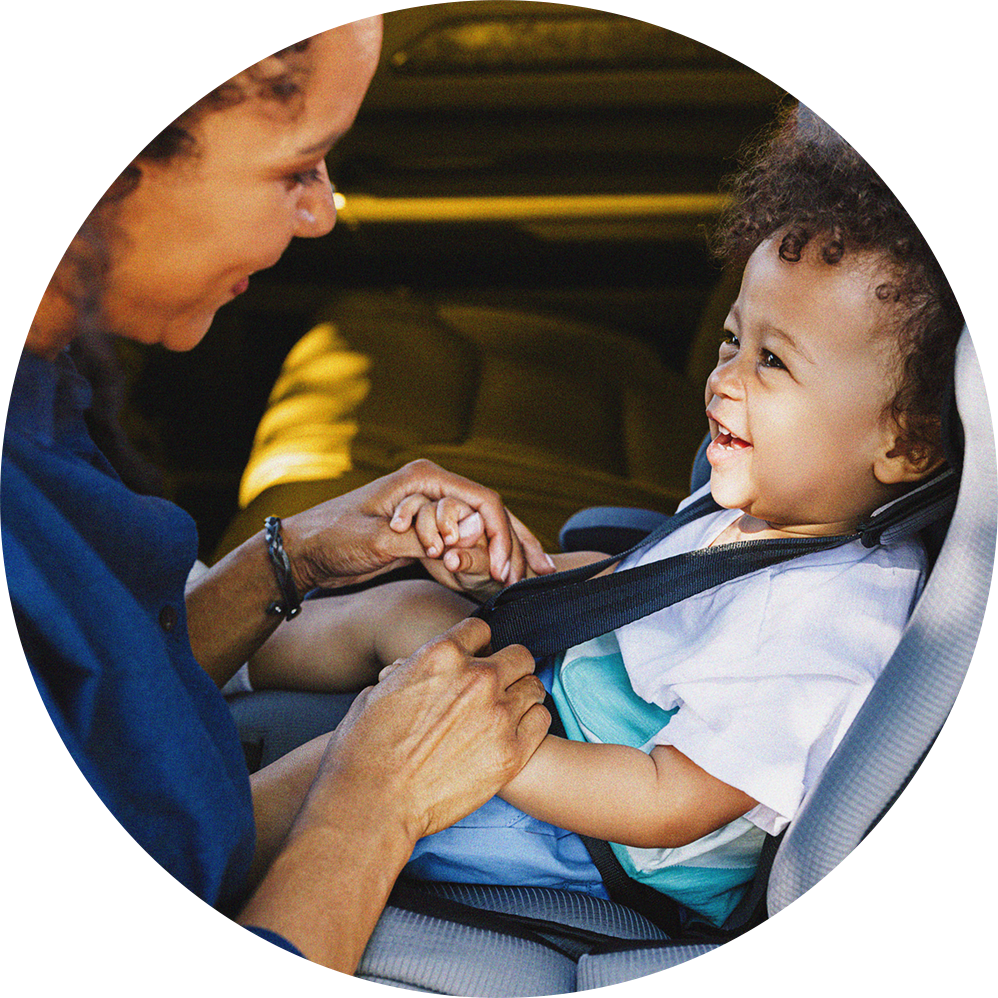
(433, 482)
(367, 531)
(535, 555)
(442, 732)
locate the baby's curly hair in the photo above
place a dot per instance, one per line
(802, 179)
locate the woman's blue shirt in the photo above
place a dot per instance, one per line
(96, 576)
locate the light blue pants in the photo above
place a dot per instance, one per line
(499, 844)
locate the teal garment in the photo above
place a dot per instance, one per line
(617, 715)
(596, 703)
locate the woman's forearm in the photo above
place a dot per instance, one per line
(337, 820)
(227, 617)
(324, 871)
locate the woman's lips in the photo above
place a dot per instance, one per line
(238, 289)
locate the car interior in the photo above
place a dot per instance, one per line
(523, 205)
(519, 288)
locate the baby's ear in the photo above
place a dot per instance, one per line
(902, 461)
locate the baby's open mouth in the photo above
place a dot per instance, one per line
(727, 439)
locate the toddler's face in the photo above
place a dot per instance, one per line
(797, 401)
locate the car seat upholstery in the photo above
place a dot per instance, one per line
(888, 877)
(553, 413)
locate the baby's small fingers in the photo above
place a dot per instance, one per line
(450, 513)
(425, 526)
(406, 510)
(468, 561)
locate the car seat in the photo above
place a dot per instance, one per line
(888, 878)
(551, 412)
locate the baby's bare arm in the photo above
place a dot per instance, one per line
(339, 644)
(620, 794)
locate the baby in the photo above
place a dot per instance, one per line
(697, 730)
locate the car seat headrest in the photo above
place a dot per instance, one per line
(930, 59)
(929, 502)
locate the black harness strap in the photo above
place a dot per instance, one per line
(550, 613)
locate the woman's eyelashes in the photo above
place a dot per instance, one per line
(305, 178)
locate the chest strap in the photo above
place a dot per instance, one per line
(550, 613)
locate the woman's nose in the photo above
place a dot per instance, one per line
(316, 208)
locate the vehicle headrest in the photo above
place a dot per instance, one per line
(931, 59)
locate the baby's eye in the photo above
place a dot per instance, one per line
(729, 338)
(769, 359)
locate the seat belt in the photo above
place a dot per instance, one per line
(552, 613)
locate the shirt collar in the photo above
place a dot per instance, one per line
(48, 398)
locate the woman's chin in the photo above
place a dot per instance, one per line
(177, 335)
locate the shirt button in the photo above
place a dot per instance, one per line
(168, 618)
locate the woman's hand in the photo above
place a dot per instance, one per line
(348, 539)
(455, 546)
(441, 733)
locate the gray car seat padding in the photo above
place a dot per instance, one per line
(569, 926)
(425, 953)
(841, 912)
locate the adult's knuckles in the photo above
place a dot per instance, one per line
(445, 654)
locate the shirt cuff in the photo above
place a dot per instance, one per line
(245, 961)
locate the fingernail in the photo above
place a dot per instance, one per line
(470, 525)
(504, 575)
(549, 560)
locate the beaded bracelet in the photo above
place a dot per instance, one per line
(290, 606)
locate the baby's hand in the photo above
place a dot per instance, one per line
(453, 537)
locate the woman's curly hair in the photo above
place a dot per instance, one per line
(802, 179)
(90, 87)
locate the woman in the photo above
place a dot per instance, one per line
(126, 662)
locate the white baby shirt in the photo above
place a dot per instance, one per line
(760, 676)
(771, 668)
